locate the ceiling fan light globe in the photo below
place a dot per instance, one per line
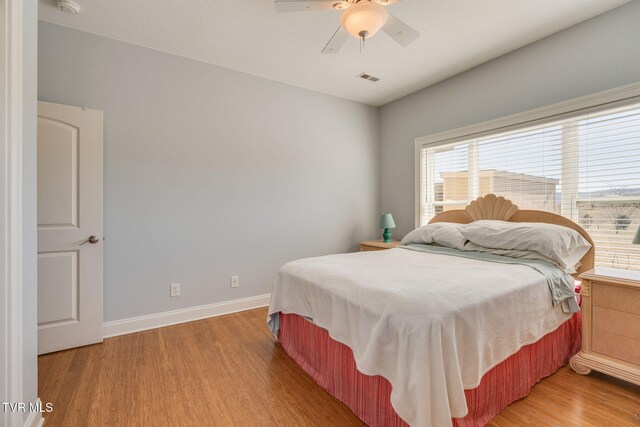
(362, 17)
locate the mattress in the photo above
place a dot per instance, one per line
(430, 324)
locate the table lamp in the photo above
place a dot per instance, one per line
(386, 222)
(636, 240)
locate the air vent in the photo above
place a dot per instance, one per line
(366, 76)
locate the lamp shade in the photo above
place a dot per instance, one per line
(636, 240)
(364, 19)
(386, 221)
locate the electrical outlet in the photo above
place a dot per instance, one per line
(235, 281)
(174, 290)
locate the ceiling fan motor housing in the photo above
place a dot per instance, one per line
(364, 19)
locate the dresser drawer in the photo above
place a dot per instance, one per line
(616, 346)
(377, 245)
(366, 248)
(610, 324)
(616, 333)
(616, 297)
(617, 322)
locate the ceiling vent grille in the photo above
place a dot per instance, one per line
(369, 77)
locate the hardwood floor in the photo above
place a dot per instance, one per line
(228, 371)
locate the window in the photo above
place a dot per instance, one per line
(584, 165)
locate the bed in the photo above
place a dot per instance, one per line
(419, 335)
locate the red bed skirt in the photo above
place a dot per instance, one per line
(332, 366)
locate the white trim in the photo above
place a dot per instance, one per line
(159, 320)
(34, 419)
(11, 169)
(417, 188)
(574, 105)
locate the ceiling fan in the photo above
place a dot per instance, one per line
(360, 18)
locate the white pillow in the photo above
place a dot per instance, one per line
(561, 244)
(421, 235)
(442, 233)
(450, 236)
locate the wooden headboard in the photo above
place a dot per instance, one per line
(499, 208)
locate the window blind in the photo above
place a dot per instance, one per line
(583, 165)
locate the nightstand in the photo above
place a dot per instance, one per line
(377, 245)
(610, 324)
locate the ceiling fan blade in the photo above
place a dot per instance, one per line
(304, 5)
(399, 31)
(336, 42)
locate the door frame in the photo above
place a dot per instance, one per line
(11, 146)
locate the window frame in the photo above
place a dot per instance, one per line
(604, 100)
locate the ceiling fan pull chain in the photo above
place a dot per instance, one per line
(363, 34)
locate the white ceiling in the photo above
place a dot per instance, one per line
(249, 36)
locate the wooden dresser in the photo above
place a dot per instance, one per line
(610, 324)
(377, 245)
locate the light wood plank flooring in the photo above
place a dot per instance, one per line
(227, 371)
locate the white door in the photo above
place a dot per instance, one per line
(69, 227)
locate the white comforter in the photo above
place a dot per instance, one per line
(431, 324)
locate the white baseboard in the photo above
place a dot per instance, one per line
(158, 320)
(34, 419)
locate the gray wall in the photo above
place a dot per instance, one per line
(211, 172)
(596, 55)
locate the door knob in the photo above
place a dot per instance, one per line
(92, 239)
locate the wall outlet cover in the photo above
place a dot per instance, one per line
(174, 290)
(235, 281)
